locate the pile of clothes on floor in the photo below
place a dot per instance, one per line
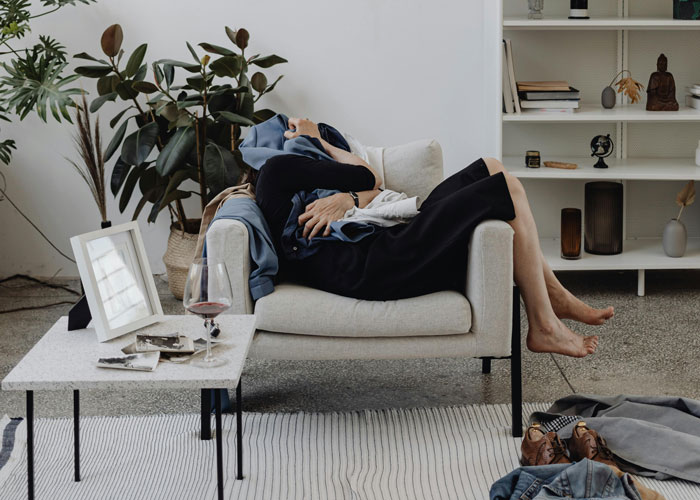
(587, 447)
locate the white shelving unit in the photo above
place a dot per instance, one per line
(653, 149)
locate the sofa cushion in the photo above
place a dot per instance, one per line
(414, 168)
(301, 310)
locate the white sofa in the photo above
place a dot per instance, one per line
(301, 323)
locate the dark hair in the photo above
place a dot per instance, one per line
(250, 175)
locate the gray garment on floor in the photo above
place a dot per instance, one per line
(654, 436)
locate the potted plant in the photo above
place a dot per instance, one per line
(675, 237)
(187, 132)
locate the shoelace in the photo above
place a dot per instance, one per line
(602, 448)
(558, 448)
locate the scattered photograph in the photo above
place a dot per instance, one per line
(145, 362)
(172, 343)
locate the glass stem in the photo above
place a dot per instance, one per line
(207, 325)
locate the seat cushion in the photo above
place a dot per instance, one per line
(301, 310)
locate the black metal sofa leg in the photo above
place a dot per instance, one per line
(516, 368)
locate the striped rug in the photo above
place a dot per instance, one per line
(443, 453)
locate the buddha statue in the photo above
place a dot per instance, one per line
(661, 91)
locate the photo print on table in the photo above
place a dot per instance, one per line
(145, 362)
(172, 343)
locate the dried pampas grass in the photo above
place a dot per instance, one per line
(89, 146)
(686, 197)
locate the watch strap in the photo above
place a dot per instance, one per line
(355, 198)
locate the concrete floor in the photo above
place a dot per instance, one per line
(652, 346)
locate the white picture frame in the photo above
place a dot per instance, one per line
(117, 278)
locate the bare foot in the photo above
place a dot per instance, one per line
(568, 306)
(557, 338)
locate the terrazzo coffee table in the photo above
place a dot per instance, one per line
(67, 360)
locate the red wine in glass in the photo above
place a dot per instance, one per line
(207, 310)
(207, 294)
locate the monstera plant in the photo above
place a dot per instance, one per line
(171, 133)
(32, 78)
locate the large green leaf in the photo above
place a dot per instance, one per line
(88, 57)
(136, 59)
(116, 141)
(192, 68)
(262, 115)
(246, 105)
(97, 103)
(220, 168)
(175, 152)
(113, 122)
(145, 87)
(216, 49)
(267, 61)
(126, 90)
(93, 71)
(36, 83)
(234, 118)
(129, 186)
(107, 84)
(139, 145)
(112, 39)
(228, 66)
(119, 174)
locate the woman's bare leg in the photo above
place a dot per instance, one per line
(567, 306)
(546, 332)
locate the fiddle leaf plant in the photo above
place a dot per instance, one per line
(188, 131)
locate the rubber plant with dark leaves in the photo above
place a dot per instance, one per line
(33, 77)
(178, 133)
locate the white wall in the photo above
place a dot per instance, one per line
(387, 71)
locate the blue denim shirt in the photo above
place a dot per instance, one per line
(296, 247)
(585, 480)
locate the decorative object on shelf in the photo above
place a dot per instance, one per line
(603, 218)
(625, 85)
(571, 233)
(532, 159)
(602, 146)
(675, 238)
(661, 91)
(686, 9)
(119, 286)
(697, 155)
(184, 132)
(579, 9)
(535, 9)
(561, 165)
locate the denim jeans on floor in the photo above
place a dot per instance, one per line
(585, 480)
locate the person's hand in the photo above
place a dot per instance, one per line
(300, 126)
(320, 213)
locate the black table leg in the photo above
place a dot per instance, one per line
(205, 431)
(239, 432)
(30, 445)
(76, 433)
(219, 452)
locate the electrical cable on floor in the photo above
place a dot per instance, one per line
(3, 191)
(39, 282)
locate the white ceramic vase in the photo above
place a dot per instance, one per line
(675, 238)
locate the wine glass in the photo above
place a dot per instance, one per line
(207, 294)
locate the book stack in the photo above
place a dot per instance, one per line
(692, 99)
(549, 97)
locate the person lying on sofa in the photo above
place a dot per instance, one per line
(426, 254)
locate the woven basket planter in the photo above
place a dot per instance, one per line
(178, 257)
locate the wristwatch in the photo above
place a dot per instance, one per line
(355, 198)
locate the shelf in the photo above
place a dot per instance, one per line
(596, 113)
(636, 255)
(647, 169)
(600, 23)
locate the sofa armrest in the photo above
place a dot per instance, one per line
(227, 241)
(490, 287)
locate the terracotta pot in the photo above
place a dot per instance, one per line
(179, 256)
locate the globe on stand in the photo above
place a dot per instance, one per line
(601, 147)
